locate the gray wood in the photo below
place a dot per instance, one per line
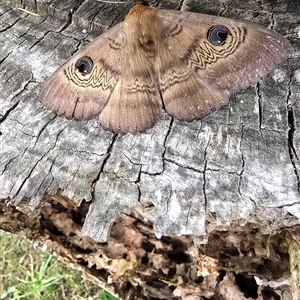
(238, 166)
(232, 164)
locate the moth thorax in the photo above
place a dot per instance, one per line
(143, 28)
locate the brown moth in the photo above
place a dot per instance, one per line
(183, 62)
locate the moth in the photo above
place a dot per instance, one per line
(183, 62)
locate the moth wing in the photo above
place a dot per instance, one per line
(248, 53)
(186, 95)
(74, 94)
(135, 103)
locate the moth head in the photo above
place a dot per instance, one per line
(142, 2)
(84, 65)
(217, 35)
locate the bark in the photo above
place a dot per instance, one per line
(184, 210)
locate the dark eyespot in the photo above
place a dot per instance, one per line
(217, 35)
(84, 65)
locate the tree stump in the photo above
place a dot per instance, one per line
(202, 210)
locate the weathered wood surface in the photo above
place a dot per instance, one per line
(240, 163)
(236, 167)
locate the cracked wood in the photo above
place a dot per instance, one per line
(240, 163)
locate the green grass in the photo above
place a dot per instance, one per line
(27, 273)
